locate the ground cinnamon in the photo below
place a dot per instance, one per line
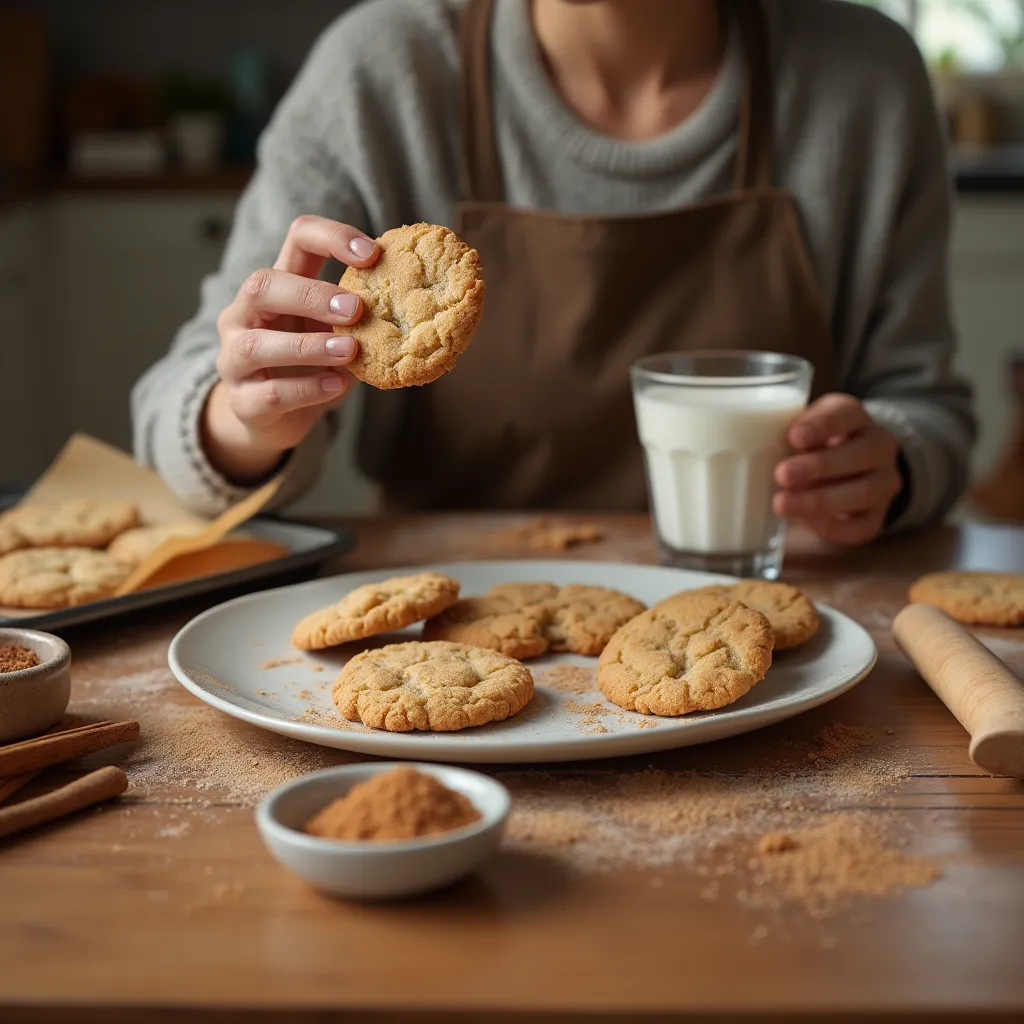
(16, 659)
(400, 804)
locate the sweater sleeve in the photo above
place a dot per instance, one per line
(295, 175)
(904, 367)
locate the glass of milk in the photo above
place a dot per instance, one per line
(713, 426)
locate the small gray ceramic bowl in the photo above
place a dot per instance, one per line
(373, 870)
(34, 699)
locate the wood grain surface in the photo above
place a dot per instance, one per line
(166, 902)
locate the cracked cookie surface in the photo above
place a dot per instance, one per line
(974, 598)
(526, 620)
(58, 577)
(376, 608)
(692, 652)
(81, 523)
(439, 686)
(423, 300)
(792, 615)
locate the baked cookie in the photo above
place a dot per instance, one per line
(442, 687)
(423, 299)
(974, 598)
(693, 652)
(525, 620)
(793, 617)
(58, 577)
(73, 524)
(495, 622)
(134, 546)
(376, 608)
(10, 539)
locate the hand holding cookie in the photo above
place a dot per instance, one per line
(281, 364)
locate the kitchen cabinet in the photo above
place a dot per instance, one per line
(31, 393)
(988, 302)
(129, 269)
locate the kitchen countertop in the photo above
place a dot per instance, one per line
(167, 901)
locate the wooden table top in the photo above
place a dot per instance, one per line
(160, 901)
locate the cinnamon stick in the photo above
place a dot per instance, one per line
(43, 751)
(8, 787)
(102, 784)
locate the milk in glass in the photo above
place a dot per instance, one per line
(711, 452)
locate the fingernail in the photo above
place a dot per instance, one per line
(333, 383)
(345, 305)
(363, 248)
(342, 347)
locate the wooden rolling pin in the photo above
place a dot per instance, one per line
(986, 697)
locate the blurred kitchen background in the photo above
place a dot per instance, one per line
(127, 131)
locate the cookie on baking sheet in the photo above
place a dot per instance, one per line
(526, 620)
(58, 577)
(440, 687)
(376, 608)
(974, 598)
(422, 298)
(134, 546)
(693, 652)
(10, 539)
(792, 615)
(82, 523)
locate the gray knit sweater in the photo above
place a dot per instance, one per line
(368, 135)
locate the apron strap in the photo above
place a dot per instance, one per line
(480, 169)
(754, 152)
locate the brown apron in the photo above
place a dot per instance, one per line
(538, 411)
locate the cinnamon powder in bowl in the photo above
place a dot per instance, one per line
(384, 831)
(35, 682)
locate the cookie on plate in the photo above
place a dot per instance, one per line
(495, 622)
(526, 620)
(82, 523)
(134, 546)
(58, 577)
(792, 615)
(974, 598)
(440, 687)
(376, 608)
(693, 652)
(423, 299)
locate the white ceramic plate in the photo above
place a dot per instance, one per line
(239, 658)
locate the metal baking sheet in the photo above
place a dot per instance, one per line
(309, 546)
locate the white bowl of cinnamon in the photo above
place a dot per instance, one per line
(384, 831)
(35, 682)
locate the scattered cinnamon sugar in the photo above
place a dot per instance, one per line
(17, 659)
(709, 820)
(648, 723)
(590, 715)
(837, 743)
(398, 804)
(279, 662)
(776, 842)
(843, 856)
(567, 679)
(544, 534)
